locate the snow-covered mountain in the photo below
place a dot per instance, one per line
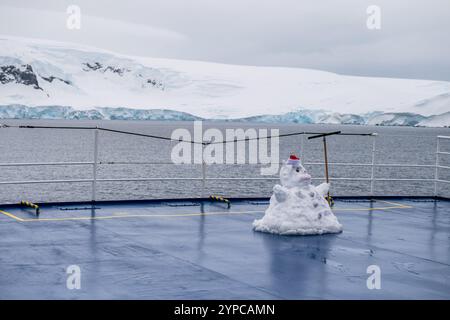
(72, 81)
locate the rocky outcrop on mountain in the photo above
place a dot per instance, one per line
(97, 66)
(22, 74)
(51, 78)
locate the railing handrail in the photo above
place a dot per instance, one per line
(200, 179)
(24, 164)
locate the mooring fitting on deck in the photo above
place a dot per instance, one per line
(330, 201)
(220, 199)
(30, 205)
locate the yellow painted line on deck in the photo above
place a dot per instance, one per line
(144, 216)
(124, 216)
(396, 204)
(11, 216)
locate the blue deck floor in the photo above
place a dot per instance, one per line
(171, 250)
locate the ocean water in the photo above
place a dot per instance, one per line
(126, 156)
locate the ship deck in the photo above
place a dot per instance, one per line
(189, 249)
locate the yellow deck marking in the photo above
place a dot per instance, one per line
(122, 216)
(11, 216)
(395, 204)
(144, 215)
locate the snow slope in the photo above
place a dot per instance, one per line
(442, 120)
(43, 73)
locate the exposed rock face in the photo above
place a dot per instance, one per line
(22, 74)
(93, 67)
(155, 83)
(51, 78)
(97, 66)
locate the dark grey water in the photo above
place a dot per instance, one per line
(395, 145)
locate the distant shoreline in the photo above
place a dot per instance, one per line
(302, 116)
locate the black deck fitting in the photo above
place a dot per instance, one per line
(220, 199)
(31, 205)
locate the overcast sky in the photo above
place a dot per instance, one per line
(331, 35)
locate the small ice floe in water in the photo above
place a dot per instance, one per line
(297, 207)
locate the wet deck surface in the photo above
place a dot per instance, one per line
(188, 250)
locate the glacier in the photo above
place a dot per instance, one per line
(69, 113)
(50, 80)
(301, 116)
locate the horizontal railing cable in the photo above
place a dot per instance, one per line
(171, 139)
(101, 129)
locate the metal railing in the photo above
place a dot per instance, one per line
(94, 180)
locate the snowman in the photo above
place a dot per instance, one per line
(297, 207)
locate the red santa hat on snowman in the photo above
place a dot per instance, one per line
(294, 161)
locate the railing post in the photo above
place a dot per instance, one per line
(436, 167)
(203, 172)
(372, 174)
(94, 178)
(302, 150)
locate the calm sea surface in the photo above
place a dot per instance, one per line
(126, 156)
